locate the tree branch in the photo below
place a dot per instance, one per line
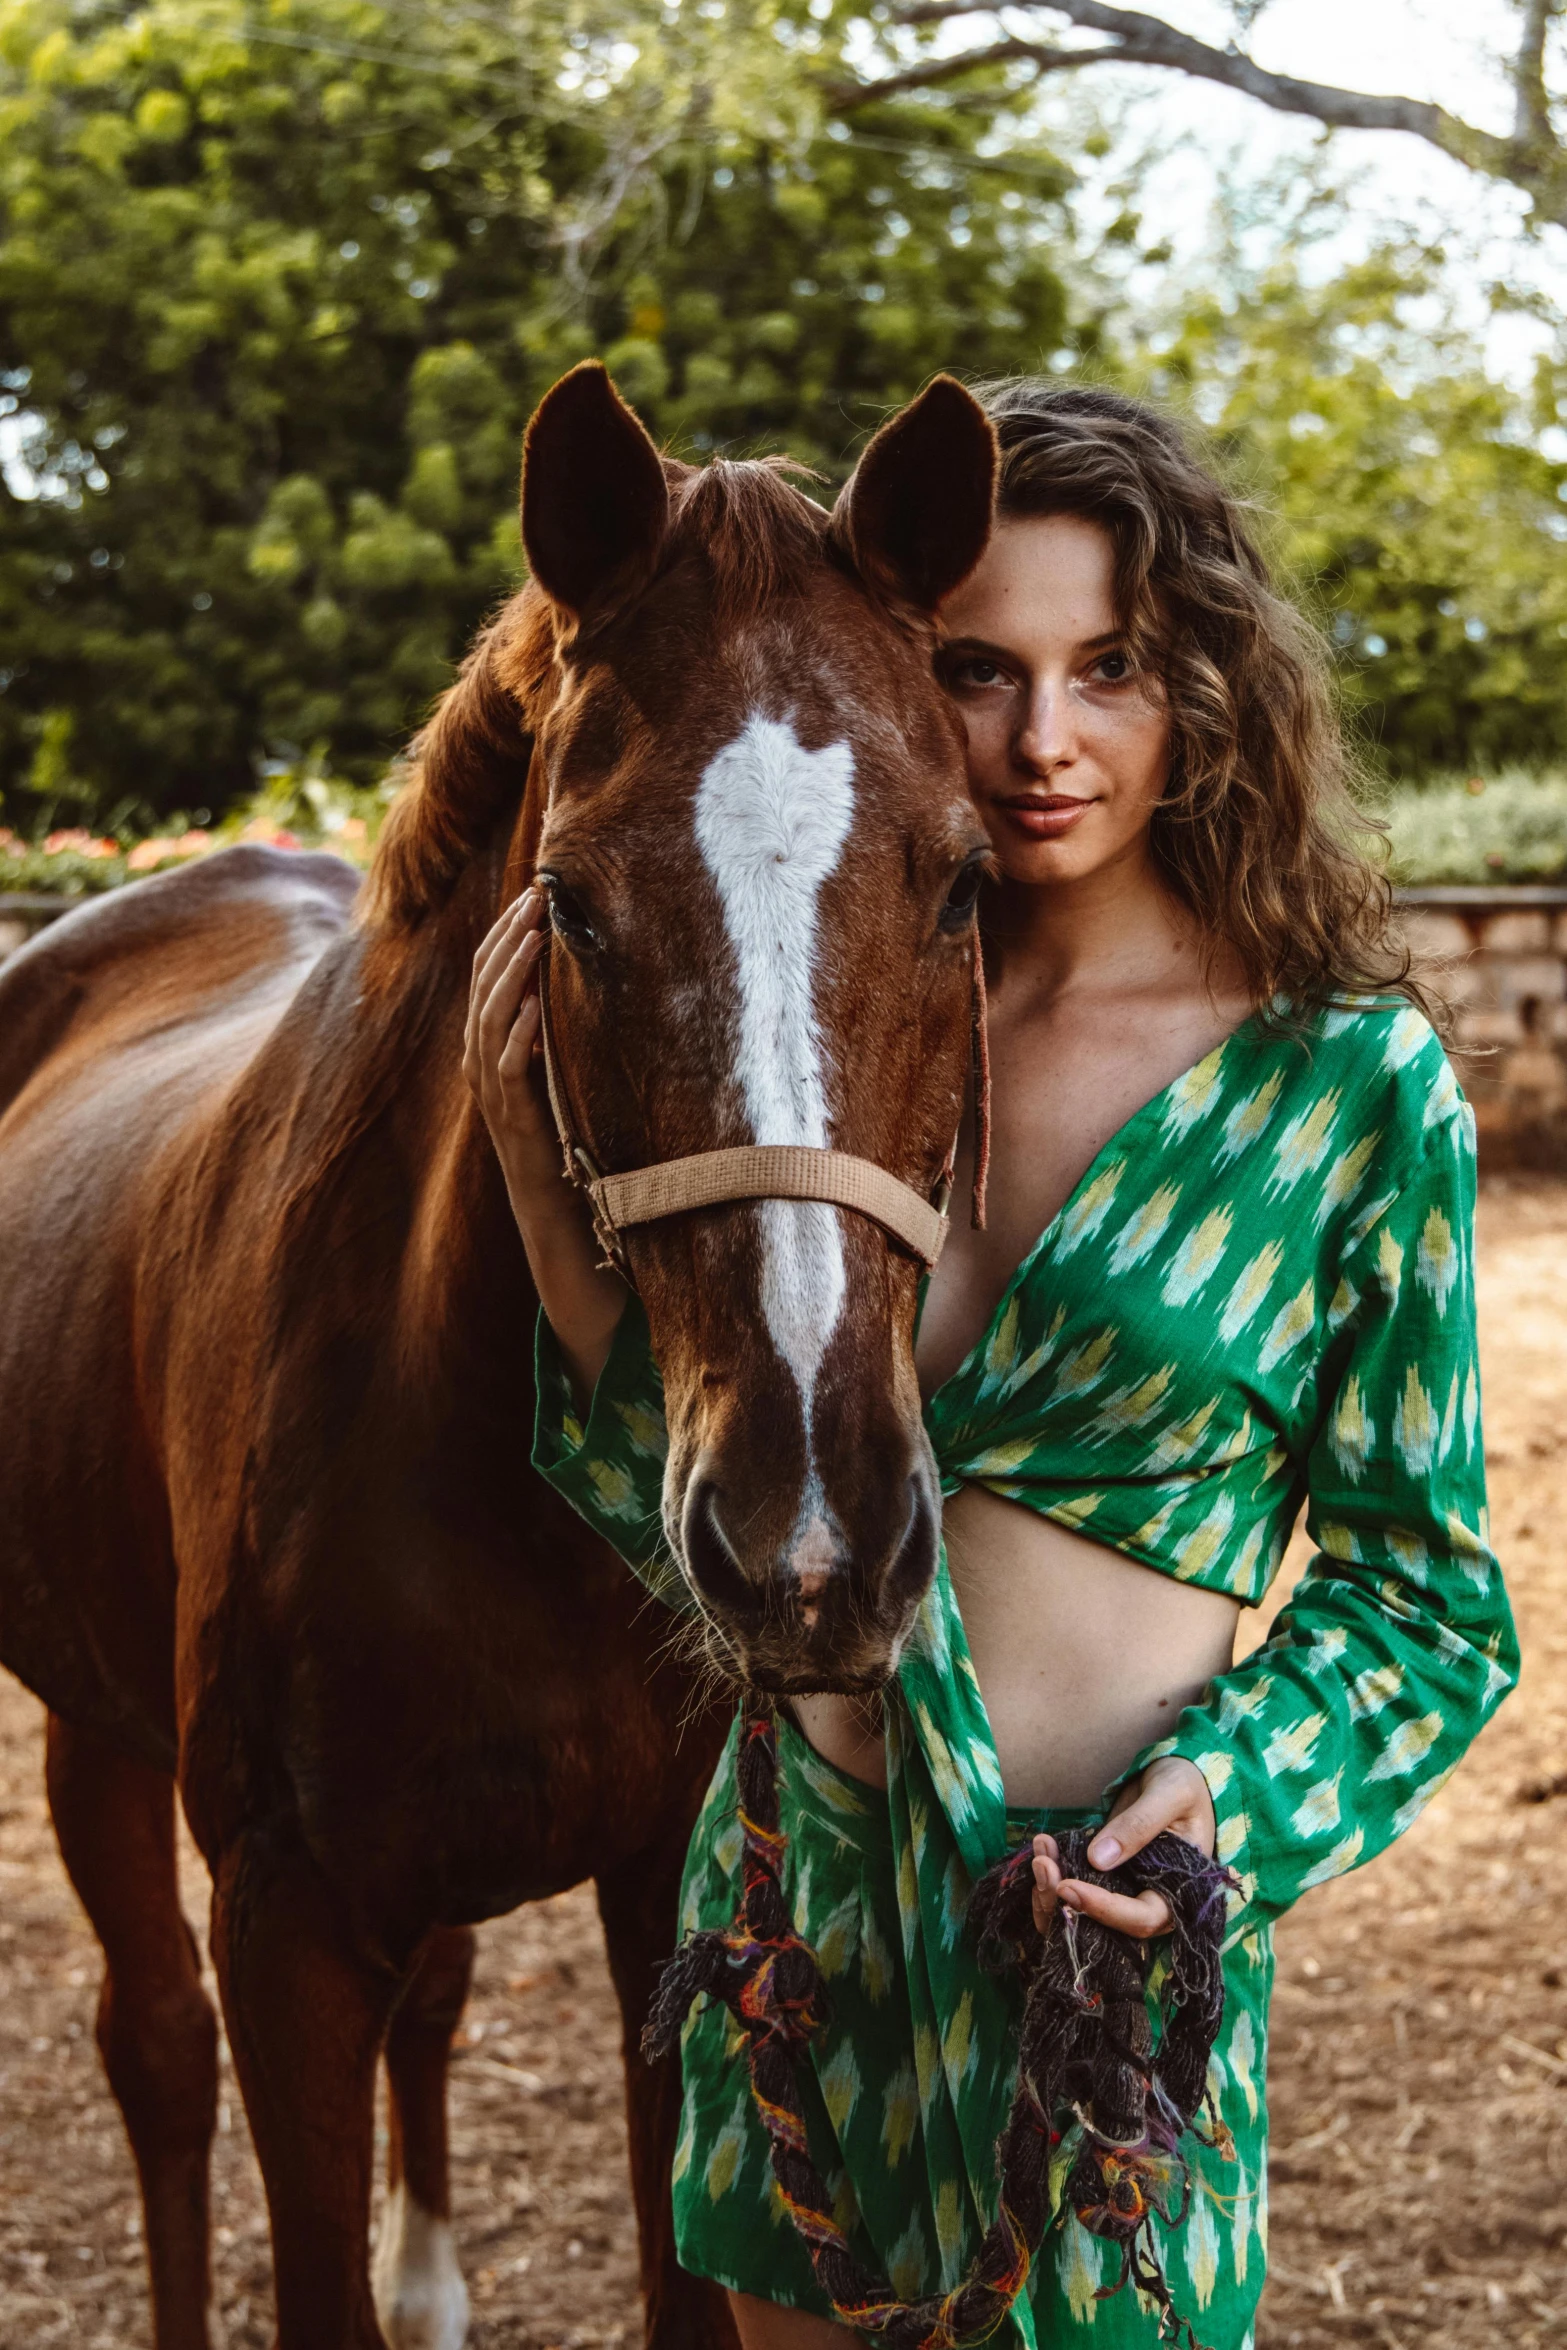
(1532, 159)
(843, 97)
(1532, 114)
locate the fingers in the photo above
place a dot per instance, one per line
(1047, 1880)
(503, 978)
(517, 1051)
(505, 1031)
(1172, 1794)
(524, 916)
(503, 1000)
(1141, 1915)
(494, 950)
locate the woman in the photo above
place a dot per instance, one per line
(1227, 1268)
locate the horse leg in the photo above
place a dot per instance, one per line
(307, 2013)
(639, 1902)
(114, 1818)
(419, 2293)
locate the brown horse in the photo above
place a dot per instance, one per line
(271, 1534)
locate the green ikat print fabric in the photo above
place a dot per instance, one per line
(1261, 1293)
(913, 2075)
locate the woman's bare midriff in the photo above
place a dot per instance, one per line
(1084, 1656)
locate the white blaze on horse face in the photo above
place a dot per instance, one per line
(771, 821)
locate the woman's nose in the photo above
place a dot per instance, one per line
(1047, 738)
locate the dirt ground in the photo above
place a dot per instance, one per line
(1419, 2080)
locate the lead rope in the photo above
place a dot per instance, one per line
(1085, 2053)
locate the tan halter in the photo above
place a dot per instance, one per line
(674, 1187)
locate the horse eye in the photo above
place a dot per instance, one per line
(569, 918)
(963, 896)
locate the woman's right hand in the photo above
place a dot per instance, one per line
(1171, 1794)
(504, 1068)
(501, 1060)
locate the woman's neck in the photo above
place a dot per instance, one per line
(1118, 931)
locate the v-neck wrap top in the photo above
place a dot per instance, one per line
(1260, 1293)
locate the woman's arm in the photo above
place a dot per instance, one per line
(504, 1068)
(1398, 1644)
(599, 1437)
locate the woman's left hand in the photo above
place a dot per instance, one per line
(1172, 1794)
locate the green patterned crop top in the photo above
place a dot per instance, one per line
(1217, 1319)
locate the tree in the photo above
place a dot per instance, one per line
(1531, 156)
(279, 285)
(1410, 499)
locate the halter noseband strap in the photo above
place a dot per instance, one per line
(707, 1179)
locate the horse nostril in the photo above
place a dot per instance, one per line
(710, 1561)
(914, 1562)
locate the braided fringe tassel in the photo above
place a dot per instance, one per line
(1084, 2040)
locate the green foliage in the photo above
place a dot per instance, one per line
(279, 286)
(1416, 508)
(1512, 828)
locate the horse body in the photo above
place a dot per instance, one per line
(271, 1521)
(125, 1029)
(272, 1529)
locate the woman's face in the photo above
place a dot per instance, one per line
(1068, 748)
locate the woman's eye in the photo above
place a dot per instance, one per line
(1112, 668)
(969, 673)
(963, 896)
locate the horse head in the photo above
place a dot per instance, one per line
(747, 803)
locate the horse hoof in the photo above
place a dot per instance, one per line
(420, 2297)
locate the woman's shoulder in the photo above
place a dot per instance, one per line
(1381, 1054)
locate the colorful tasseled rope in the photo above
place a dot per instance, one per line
(1085, 2056)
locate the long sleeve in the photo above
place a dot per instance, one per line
(1397, 1645)
(611, 1470)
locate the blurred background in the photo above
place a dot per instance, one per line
(280, 281)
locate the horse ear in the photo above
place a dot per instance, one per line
(916, 514)
(594, 500)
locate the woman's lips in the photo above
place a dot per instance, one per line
(1045, 816)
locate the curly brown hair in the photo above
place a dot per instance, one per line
(1256, 832)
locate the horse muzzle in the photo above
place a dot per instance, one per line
(829, 1608)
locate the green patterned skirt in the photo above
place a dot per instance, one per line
(864, 2108)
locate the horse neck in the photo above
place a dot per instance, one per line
(467, 845)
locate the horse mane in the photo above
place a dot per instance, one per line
(759, 539)
(466, 767)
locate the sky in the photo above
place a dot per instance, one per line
(1440, 50)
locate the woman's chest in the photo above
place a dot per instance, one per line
(1062, 1089)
